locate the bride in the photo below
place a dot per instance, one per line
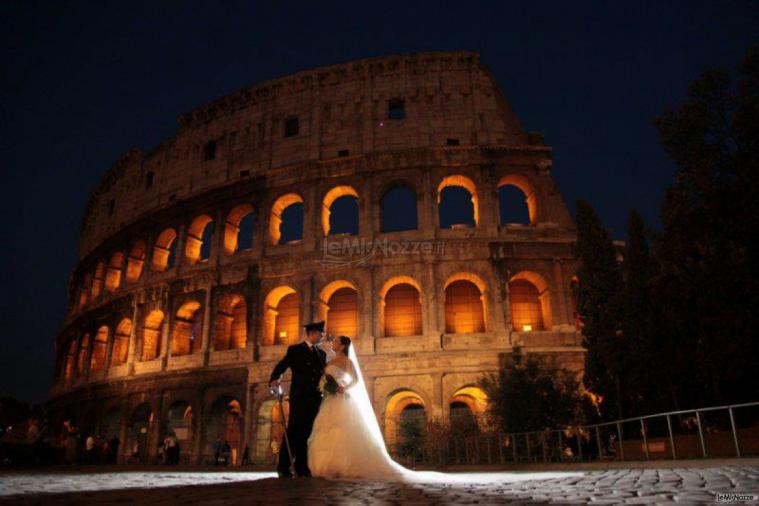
(346, 441)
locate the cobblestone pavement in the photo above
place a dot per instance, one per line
(679, 485)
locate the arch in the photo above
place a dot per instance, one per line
(401, 307)
(113, 277)
(84, 289)
(342, 312)
(527, 189)
(530, 302)
(276, 218)
(395, 405)
(458, 181)
(398, 208)
(97, 280)
(224, 422)
(465, 304)
(151, 335)
(82, 351)
(199, 239)
(281, 316)
(338, 192)
(99, 347)
(270, 429)
(164, 250)
(139, 428)
(473, 397)
(180, 421)
(232, 228)
(136, 261)
(186, 337)
(121, 342)
(231, 329)
(70, 361)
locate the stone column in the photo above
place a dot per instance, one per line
(436, 410)
(132, 350)
(165, 334)
(205, 333)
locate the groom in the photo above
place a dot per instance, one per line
(306, 361)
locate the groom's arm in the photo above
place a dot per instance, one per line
(281, 367)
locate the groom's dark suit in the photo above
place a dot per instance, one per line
(307, 366)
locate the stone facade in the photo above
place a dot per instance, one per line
(175, 325)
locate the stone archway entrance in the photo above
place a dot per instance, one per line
(270, 430)
(225, 423)
(138, 434)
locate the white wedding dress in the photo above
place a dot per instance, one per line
(346, 442)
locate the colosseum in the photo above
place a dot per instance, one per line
(373, 195)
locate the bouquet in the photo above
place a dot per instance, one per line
(328, 385)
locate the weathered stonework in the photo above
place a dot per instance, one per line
(146, 338)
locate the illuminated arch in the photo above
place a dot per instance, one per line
(465, 304)
(474, 397)
(70, 361)
(139, 429)
(281, 316)
(401, 307)
(121, 342)
(270, 429)
(82, 351)
(136, 260)
(524, 184)
(338, 306)
(232, 227)
(275, 219)
(530, 302)
(113, 277)
(97, 280)
(231, 332)
(180, 420)
(187, 336)
(84, 289)
(163, 250)
(225, 422)
(151, 335)
(462, 182)
(99, 348)
(199, 235)
(330, 198)
(394, 406)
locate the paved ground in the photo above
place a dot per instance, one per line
(644, 485)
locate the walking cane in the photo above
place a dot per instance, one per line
(280, 393)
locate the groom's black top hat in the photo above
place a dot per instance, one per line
(314, 326)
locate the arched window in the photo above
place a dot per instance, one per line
(457, 202)
(340, 211)
(121, 342)
(516, 199)
(238, 230)
(464, 307)
(402, 310)
(97, 280)
(286, 220)
(113, 277)
(530, 302)
(164, 250)
(398, 209)
(199, 239)
(404, 410)
(151, 335)
(342, 312)
(99, 347)
(70, 360)
(84, 289)
(231, 331)
(188, 327)
(81, 360)
(136, 260)
(287, 322)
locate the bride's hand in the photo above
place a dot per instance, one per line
(340, 390)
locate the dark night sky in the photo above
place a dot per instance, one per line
(82, 82)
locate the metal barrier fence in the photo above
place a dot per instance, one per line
(720, 431)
